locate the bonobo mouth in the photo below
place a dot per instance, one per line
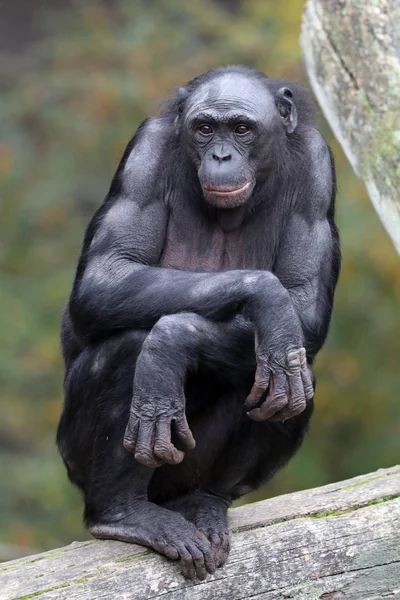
(227, 196)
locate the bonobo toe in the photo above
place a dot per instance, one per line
(220, 547)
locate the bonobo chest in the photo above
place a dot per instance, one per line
(201, 248)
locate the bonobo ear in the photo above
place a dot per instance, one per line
(286, 108)
(181, 98)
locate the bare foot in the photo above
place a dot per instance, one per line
(209, 514)
(167, 532)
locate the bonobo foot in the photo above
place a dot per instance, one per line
(287, 383)
(167, 532)
(209, 514)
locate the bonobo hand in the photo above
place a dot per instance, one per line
(148, 433)
(282, 373)
(287, 382)
(158, 404)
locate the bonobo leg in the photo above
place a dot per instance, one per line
(177, 344)
(98, 398)
(117, 508)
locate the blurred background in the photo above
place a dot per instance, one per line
(76, 79)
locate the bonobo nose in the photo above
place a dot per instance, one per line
(222, 157)
(220, 154)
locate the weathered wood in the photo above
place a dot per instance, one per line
(340, 541)
(351, 50)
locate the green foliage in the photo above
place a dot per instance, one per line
(65, 124)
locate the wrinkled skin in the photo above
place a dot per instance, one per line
(202, 295)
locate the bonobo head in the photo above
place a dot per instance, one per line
(233, 128)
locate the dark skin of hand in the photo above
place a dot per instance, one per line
(202, 295)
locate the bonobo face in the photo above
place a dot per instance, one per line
(230, 126)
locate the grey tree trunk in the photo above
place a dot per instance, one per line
(351, 50)
(340, 541)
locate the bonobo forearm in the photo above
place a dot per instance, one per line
(184, 341)
(309, 271)
(315, 312)
(137, 296)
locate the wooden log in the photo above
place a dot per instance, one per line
(351, 50)
(340, 541)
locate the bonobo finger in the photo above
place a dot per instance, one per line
(131, 433)
(260, 386)
(163, 448)
(144, 445)
(183, 432)
(276, 400)
(297, 401)
(306, 375)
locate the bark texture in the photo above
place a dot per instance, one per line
(340, 541)
(351, 50)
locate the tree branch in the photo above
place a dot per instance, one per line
(351, 50)
(330, 543)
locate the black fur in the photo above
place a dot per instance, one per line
(211, 263)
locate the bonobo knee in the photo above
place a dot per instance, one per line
(172, 327)
(174, 337)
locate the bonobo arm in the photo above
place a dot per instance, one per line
(308, 266)
(308, 261)
(309, 258)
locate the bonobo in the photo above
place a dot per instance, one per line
(202, 295)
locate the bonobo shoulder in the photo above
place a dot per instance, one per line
(321, 172)
(148, 143)
(316, 143)
(140, 167)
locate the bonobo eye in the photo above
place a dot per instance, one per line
(242, 129)
(205, 129)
